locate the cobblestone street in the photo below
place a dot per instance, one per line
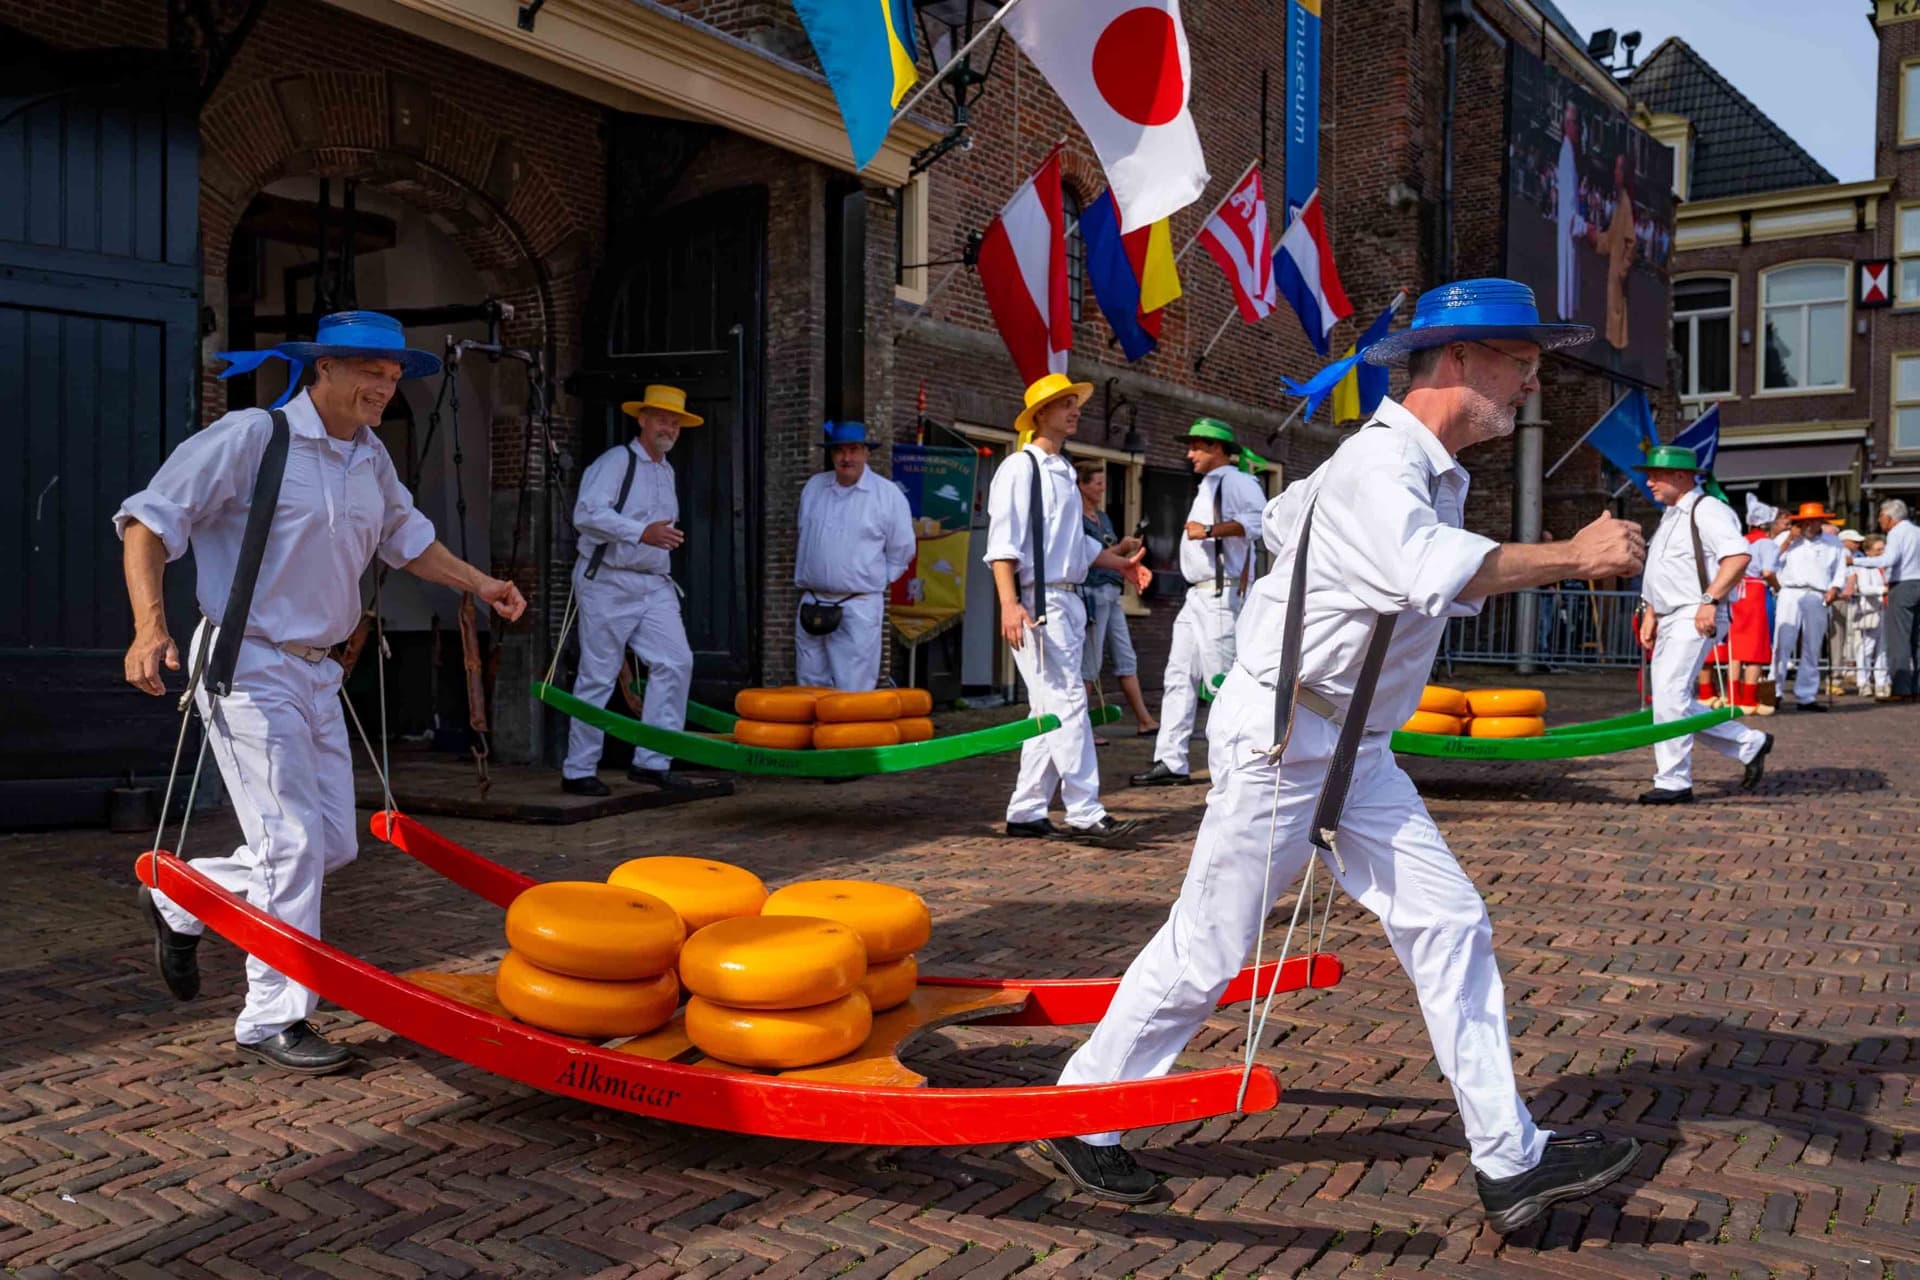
(1732, 983)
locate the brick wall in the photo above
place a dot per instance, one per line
(1893, 330)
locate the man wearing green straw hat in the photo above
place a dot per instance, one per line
(1216, 552)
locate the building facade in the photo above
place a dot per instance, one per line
(629, 191)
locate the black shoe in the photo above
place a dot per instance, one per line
(175, 954)
(1573, 1166)
(1105, 831)
(665, 779)
(1756, 767)
(1038, 829)
(1160, 776)
(1660, 795)
(1106, 1172)
(587, 786)
(1810, 706)
(301, 1049)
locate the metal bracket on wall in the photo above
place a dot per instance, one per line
(527, 14)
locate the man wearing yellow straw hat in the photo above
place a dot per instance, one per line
(1812, 573)
(1040, 555)
(626, 515)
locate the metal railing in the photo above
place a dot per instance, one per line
(1564, 626)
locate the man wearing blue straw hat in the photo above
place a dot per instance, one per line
(276, 731)
(856, 537)
(1333, 651)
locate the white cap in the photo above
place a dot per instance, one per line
(1851, 535)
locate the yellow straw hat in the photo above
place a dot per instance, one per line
(1054, 386)
(661, 396)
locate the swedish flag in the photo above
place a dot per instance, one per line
(867, 50)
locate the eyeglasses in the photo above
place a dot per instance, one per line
(1529, 369)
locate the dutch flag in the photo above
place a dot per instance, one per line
(1303, 267)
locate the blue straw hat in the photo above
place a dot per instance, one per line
(352, 335)
(846, 433)
(1475, 310)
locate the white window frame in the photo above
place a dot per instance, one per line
(1845, 298)
(1907, 67)
(911, 285)
(1896, 404)
(1693, 336)
(1906, 255)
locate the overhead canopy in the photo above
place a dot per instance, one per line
(1785, 461)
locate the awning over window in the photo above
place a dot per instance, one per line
(1785, 461)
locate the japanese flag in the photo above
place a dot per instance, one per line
(1121, 67)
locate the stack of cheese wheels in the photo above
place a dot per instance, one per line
(802, 716)
(776, 992)
(1442, 710)
(699, 889)
(590, 960)
(1506, 713)
(892, 922)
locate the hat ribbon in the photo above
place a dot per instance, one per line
(247, 361)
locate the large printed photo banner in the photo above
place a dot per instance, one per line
(1589, 218)
(932, 595)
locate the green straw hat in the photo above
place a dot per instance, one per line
(1215, 430)
(1669, 457)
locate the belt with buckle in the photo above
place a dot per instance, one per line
(1324, 707)
(313, 653)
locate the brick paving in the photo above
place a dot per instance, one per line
(1730, 983)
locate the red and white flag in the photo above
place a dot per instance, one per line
(1023, 267)
(1236, 236)
(1122, 68)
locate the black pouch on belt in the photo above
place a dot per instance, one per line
(818, 618)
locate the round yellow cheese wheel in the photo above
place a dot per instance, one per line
(1434, 722)
(890, 984)
(700, 889)
(891, 921)
(773, 733)
(1441, 700)
(611, 933)
(581, 1006)
(780, 1039)
(865, 733)
(1507, 702)
(915, 702)
(842, 708)
(773, 962)
(1506, 727)
(786, 706)
(914, 728)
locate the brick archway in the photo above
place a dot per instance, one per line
(392, 132)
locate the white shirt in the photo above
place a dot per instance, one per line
(1813, 564)
(1386, 539)
(650, 501)
(1226, 493)
(340, 502)
(1765, 553)
(1867, 581)
(854, 538)
(1672, 579)
(1901, 559)
(1009, 528)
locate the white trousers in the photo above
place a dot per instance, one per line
(1397, 866)
(1678, 650)
(280, 741)
(1872, 671)
(847, 657)
(1202, 648)
(1049, 662)
(620, 610)
(1799, 625)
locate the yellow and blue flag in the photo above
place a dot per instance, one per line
(1355, 386)
(1132, 275)
(867, 50)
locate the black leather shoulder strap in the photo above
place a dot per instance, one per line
(1699, 548)
(253, 549)
(1037, 519)
(619, 508)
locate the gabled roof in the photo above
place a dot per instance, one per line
(1737, 150)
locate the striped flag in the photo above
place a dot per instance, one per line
(1236, 237)
(1304, 264)
(1023, 268)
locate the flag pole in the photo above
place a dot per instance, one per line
(1217, 334)
(953, 61)
(1583, 437)
(1195, 237)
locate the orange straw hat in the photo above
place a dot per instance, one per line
(1813, 511)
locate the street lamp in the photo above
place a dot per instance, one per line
(947, 25)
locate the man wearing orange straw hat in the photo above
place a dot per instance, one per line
(626, 514)
(1040, 555)
(1695, 564)
(1812, 572)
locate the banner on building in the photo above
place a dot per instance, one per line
(932, 595)
(1589, 218)
(1303, 105)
